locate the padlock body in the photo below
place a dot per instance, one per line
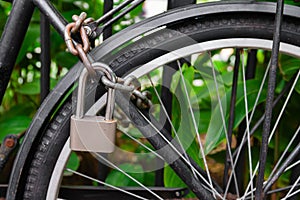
(93, 134)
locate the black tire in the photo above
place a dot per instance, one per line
(204, 28)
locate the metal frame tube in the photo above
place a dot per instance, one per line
(228, 163)
(109, 11)
(259, 194)
(107, 8)
(45, 57)
(54, 17)
(178, 3)
(119, 16)
(12, 38)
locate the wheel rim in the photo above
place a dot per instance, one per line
(172, 56)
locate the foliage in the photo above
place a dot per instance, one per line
(214, 131)
(118, 178)
(24, 85)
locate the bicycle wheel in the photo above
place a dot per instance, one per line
(214, 104)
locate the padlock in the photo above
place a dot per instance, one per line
(92, 133)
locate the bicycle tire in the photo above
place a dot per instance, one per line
(206, 28)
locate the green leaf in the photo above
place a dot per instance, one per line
(216, 134)
(206, 92)
(24, 109)
(188, 74)
(297, 87)
(13, 125)
(175, 81)
(65, 59)
(53, 82)
(220, 65)
(31, 88)
(31, 38)
(73, 163)
(227, 78)
(119, 179)
(68, 1)
(289, 66)
(205, 116)
(172, 180)
(132, 131)
(149, 178)
(34, 88)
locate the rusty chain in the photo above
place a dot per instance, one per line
(78, 49)
(81, 50)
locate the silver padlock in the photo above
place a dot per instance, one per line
(92, 133)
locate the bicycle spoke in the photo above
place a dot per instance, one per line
(292, 165)
(140, 143)
(195, 124)
(254, 107)
(239, 148)
(170, 122)
(163, 142)
(282, 189)
(286, 88)
(283, 108)
(247, 123)
(224, 126)
(281, 158)
(126, 174)
(294, 193)
(289, 159)
(277, 190)
(213, 190)
(259, 122)
(289, 194)
(106, 184)
(278, 119)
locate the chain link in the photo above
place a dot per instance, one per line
(142, 99)
(132, 85)
(79, 20)
(70, 28)
(75, 48)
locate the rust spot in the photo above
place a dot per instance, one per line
(9, 142)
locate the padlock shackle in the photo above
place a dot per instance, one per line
(102, 67)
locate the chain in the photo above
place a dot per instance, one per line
(141, 99)
(75, 48)
(130, 84)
